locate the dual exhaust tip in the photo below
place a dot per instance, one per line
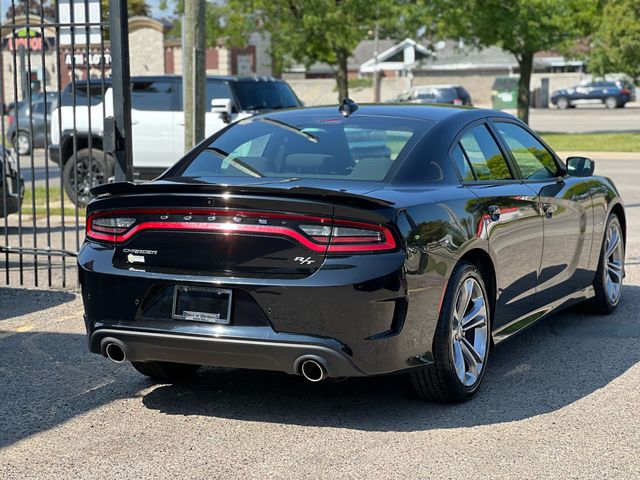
(115, 352)
(311, 369)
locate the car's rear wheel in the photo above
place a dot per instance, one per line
(167, 371)
(611, 102)
(22, 143)
(610, 273)
(91, 168)
(461, 342)
(563, 103)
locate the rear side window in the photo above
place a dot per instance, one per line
(534, 160)
(483, 155)
(447, 93)
(83, 98)
(152, 96)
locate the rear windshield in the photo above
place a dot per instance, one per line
(356, 148)
(265, 95)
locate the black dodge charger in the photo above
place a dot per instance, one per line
(358, 242)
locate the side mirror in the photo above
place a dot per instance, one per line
(580, 166)
(223, 107)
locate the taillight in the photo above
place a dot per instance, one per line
(457, 101)
(319, 234)
(624, 91)
(10, 120)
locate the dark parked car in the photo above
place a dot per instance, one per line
(34, 117)
(278, 244)
(445, 94)
(613, 94)
(11, 184)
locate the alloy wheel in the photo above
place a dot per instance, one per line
(469, 332)
(88, 174)
(23, 145)
(614, 267)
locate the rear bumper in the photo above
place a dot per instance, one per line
(357, 313)
(284, 356)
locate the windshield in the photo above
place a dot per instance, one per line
(254, 95)
(307, 146)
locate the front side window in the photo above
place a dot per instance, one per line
(318, 146)
(483, 155)
(534, 160)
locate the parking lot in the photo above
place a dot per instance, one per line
(559, 401)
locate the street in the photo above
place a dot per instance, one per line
(559, 401)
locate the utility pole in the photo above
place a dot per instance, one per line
(121, 83)
(376, 71)
(193, 71)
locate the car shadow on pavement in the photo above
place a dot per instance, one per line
(554, 364)
(48, 378)
(20, 301)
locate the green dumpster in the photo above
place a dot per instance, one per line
(504, 93)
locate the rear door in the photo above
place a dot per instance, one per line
(507, 216)
(153, 105)
(565, 204)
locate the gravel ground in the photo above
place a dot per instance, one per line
(559, 401)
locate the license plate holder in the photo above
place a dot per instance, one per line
(202, 304)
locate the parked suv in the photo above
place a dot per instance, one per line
(451, 94)
(157, 123)
(614, 94)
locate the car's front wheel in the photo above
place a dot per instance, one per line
(461, 342)
(85, 170)
(563, 103)
(167, 371)
(22, 143)
(610, 273)
(611, 102)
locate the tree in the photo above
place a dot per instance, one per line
(134, 7)
(34, 7)
(310, 31)
(522, 27)
(616, 42)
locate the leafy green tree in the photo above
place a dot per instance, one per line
(522, 27)
(309, 31)
(34, 7)
(134, 7)
(616, 42)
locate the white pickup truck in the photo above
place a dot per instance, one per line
(157, 120)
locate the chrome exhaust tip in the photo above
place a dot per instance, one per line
(115, 353)
(313, 370)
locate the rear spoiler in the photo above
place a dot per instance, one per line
(129, 188)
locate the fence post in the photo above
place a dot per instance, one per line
(120, 82)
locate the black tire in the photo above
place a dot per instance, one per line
(611, 103)
(22, 143)
(98, 162)
(602, 302)
(439, 381)
(563, 103)
(166, 371)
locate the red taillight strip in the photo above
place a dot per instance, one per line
(334, 246)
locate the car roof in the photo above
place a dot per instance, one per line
(431, 113)
(440, 85)
(152, 78)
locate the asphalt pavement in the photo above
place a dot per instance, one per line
(559, 401)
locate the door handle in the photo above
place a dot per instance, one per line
(494, 213)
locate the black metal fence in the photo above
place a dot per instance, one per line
(57, 59)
